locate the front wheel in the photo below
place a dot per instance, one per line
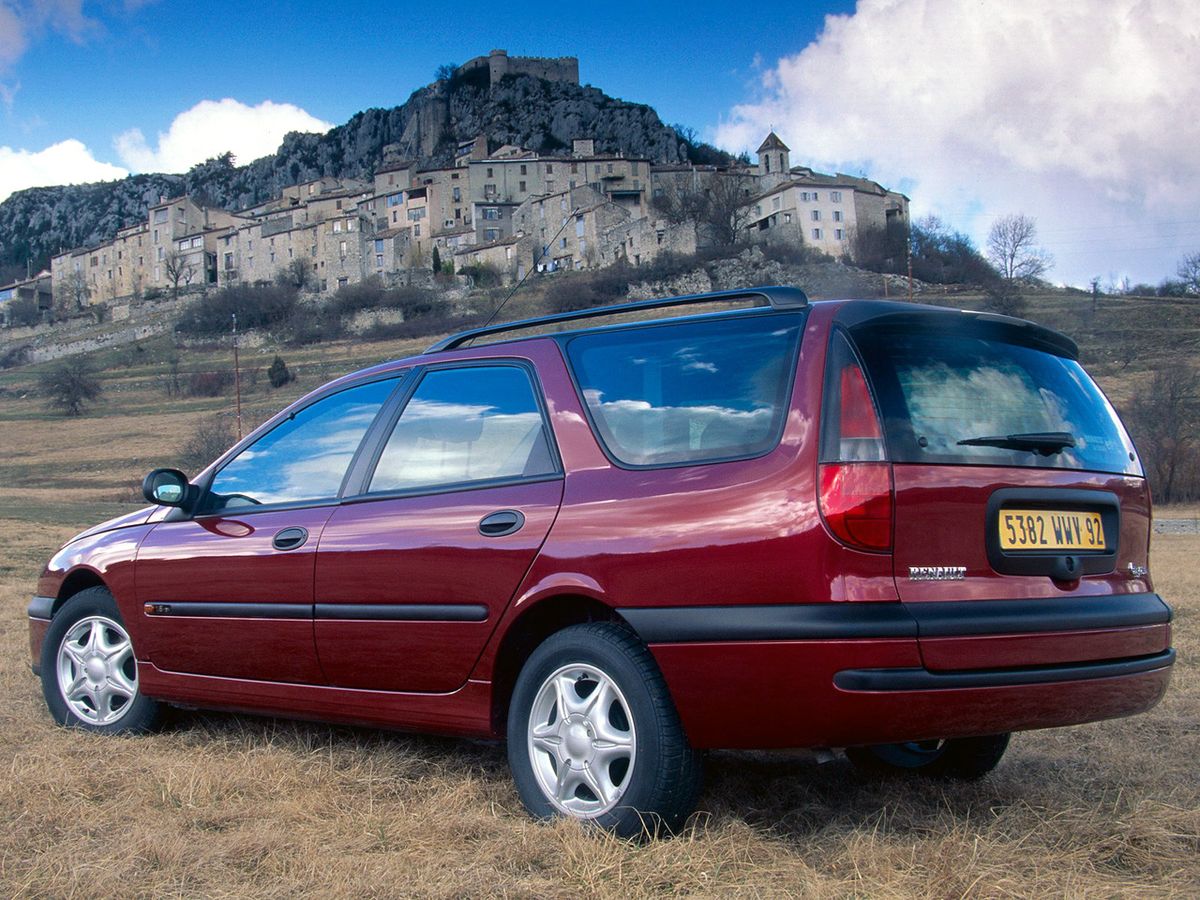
(89, 672)
(963, 759)
(593, 734)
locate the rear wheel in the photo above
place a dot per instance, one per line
(89, 672)
(965, 759)
(593, 734)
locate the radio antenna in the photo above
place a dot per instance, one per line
(540, 256)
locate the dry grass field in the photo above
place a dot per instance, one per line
(219, 805)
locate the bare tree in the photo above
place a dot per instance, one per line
(178, 267)
(298, 273)
(1164, 420)
(77, 291)
(1013, 250)
(70, 386)
(1189, 272)
(718, 205)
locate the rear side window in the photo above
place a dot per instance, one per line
(479, 423)
(690, 392)
(938, 389)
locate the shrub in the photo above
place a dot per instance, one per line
(15, 356)
(256, 306)
(582, 291)
(70, 386)
(278, 373)
(209, 384)
(211, 437)
(484, 275)
(24, 311)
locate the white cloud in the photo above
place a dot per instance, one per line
(211, 128)
(1081, 114)
(67, 162)
(22, 21)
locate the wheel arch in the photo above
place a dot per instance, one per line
(548, 616)
(79, 579)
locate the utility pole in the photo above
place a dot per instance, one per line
(237, 378)
(909, 246)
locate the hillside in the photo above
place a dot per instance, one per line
(523, 110)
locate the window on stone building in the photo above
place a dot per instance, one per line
(160, 255)
(337, 225)
(522, 187)
(395, 199)
(816, 215)
(835, 196)
(489, 173)
(562, 243)
(787, 218)
(491, 234)
(549, 168)
(574, 171)
(579, 226)
(228, 260)
(379, 246)
(839, 234)
(523, 171)
(776, 202)
(816, 233)
(416, 231)
(491, 213)
(160, 216)
(457, 195)
(610, 168)
(342, 249)
(837, 215)
(343, 281)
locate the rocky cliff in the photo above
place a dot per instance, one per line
(540, 115)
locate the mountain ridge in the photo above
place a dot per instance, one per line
(524, 110)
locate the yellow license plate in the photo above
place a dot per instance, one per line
(1048, 529)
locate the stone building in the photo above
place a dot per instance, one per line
(499, 64)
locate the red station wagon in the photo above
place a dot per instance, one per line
(897, 529)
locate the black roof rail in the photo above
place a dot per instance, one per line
(777, 296)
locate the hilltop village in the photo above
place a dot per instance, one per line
(507, 208)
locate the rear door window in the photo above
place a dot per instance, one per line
(939, 388)
(690, 392)
(463, 426)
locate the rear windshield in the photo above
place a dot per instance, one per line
(688, 392)
(937, 389)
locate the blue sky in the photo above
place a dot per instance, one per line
(1079, 114)
(141, 66)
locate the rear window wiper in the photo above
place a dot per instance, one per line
(1043, 443)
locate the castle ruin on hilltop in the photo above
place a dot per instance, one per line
(499, 63)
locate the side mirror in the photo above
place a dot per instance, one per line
(166, 487)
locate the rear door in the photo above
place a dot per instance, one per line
(413, 574)
(1014, 479)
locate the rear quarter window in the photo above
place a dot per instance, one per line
(687, 393)
(937, 388)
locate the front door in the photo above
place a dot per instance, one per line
(413, 575)
(229, 590)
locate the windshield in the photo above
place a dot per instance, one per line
(972, 399)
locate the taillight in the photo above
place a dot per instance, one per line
(856, 501)
(855, 477)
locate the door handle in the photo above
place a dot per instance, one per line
(498, 524)
(290, 538)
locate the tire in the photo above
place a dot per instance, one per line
(961, 759)
(89, 671)
(593, 735)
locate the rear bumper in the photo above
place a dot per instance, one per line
(849, 673)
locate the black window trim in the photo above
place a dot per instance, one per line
(401, 375)
(565, 341)
(363, 469)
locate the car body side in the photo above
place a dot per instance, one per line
(753, 611)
